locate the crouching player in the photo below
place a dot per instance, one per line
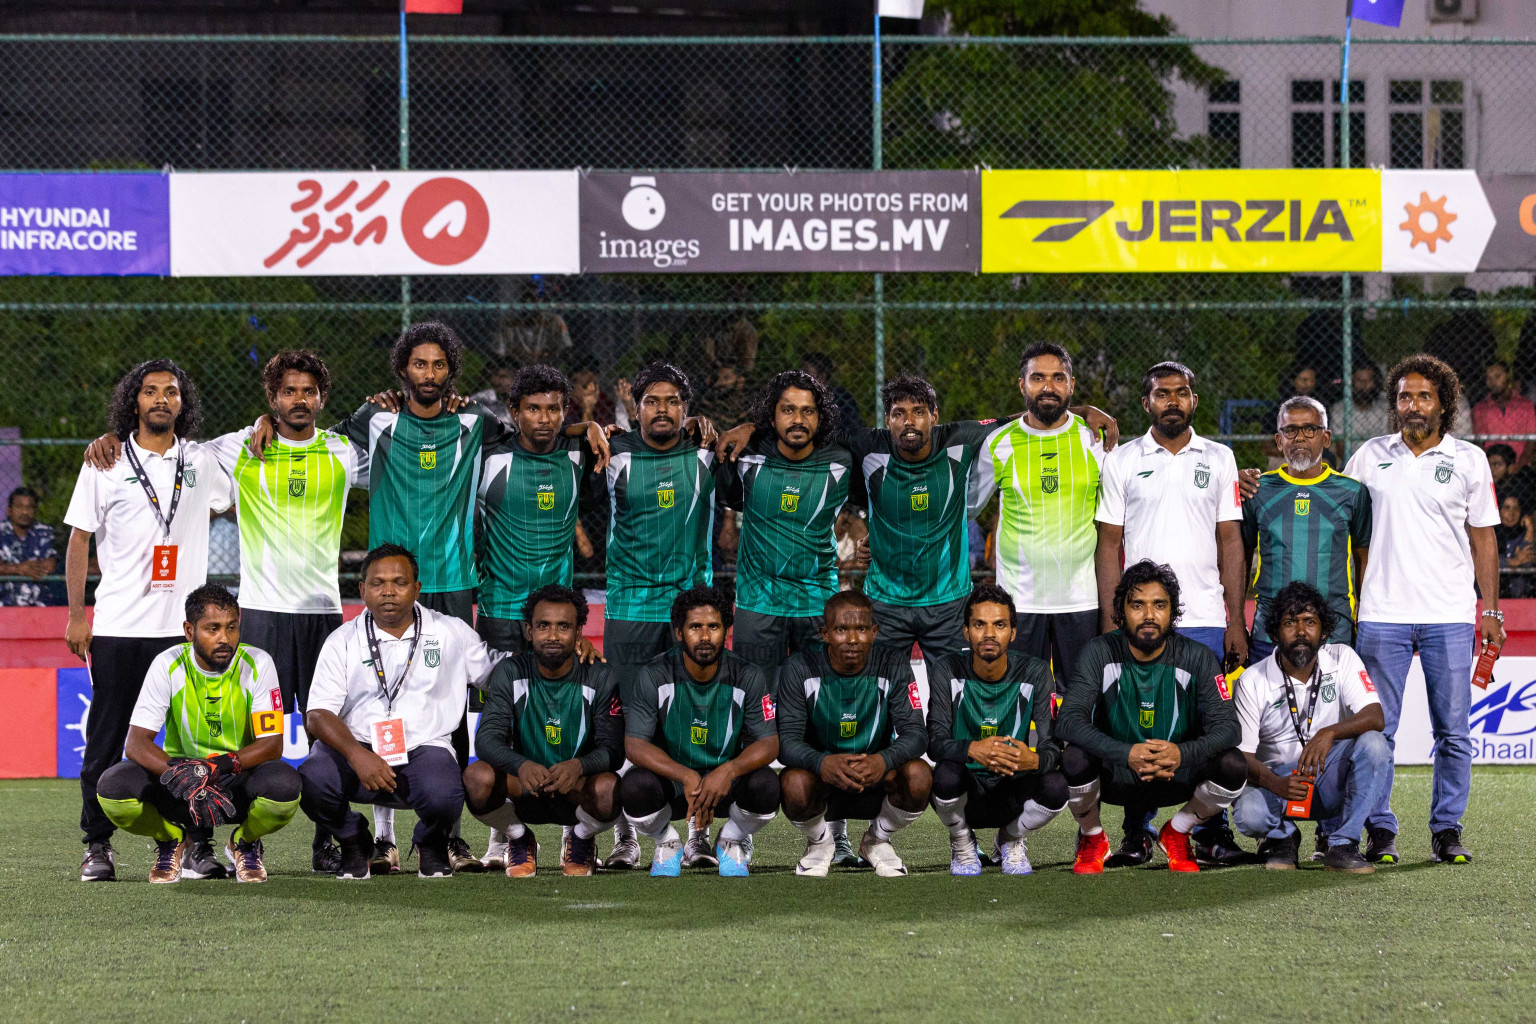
(698, 725)
(1148, 721)
(550, 741)
(851, 738)
(222, 711)
(981, 703)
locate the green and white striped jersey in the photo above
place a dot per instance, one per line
(204, 714)
(1046, 535)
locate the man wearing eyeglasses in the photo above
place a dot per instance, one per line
(1306, 523)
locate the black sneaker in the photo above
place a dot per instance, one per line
(199, 861)
(1135, 850)
(1216, 846)
(100, 863)
(326, 859)
(1382, 849)
(1447, 849)
(354, 856)
(1319, 844)
(1280, 854)
(434, 862)
(460, 859)
(1346, 857)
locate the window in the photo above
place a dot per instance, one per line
(1316, 132)
(1224, 124)
(1426, 126)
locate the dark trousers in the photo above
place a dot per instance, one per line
(461, 605)
(294, 642)
(1056, 638)
(766, 640)
(430, 784)
(126, 780)
(642, 792)
(118, 667)
(1119, 785)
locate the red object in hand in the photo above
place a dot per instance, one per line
(1483, 674)
(1301, 808)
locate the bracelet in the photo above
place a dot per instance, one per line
(1495, 613)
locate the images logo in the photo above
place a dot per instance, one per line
(643, 207)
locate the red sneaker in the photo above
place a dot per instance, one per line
(1091, 852)
(1180, 851)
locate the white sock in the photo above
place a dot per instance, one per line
(1083, 802)
(741, 825)
(891, 819)
(622, 829)
(952, 813)
(384, 823)
(1208, 801)
(816, 829)
(1032, 816)
(655, 824)
(839, 829)
(504, 819)
(588, 826)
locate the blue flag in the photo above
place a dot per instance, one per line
(1382, 12)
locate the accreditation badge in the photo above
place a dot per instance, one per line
(162, 568)
(389, 741)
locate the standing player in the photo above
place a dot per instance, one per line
(550, 739)
(149, 515)
(851, 738)
(982, 703)
(698, 725)
(221, 706)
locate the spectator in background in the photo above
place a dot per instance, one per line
(1320, 333)
(1504, 410)
(1517, 547)
(726, 401)
(26, 552)
(494, 397)
(1506, 480)
(588, 403)
(1525, 356)
(1368, 410)
(819, 366)
(1466, 342)
(1299, 382)
(851, 531)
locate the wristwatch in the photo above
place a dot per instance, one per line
(1495, 613)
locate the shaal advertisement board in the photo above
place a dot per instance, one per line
(885, 221)
(272, 224)
(1513, 199)
(84, 224)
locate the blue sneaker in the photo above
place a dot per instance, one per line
(963, 856)
(733, 859)
(667, 861)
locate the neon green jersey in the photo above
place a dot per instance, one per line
(206, 714)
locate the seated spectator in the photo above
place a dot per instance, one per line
(818, 365)
(27, 553)
(1368, 411)
(494, 397)
(1505, 411)
(1517, 547)
(1506, 479)
(725, 400)
(588, 403)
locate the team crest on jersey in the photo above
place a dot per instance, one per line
(1443, 473)
(428, 459)
(1328, 692)
(546, 500)
(988, 730)
(1050, 481)
(698, 735)
(1148, 715)
(1303, 506)
(552, 731)
(1202, 476)
(432, 654)
(920, 502)
(848, 729)
(666, 497)
(789, 502)
(189, 477)
(296, 486)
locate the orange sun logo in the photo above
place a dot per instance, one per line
(1442, 232)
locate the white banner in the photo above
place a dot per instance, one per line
(258, 224)
(1433, 222)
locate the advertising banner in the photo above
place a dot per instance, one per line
(84, 224)
(780, 222)
(1433, 222)
(1513, 244)
(391, 222)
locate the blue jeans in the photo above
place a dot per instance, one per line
(1354, 775)
(1258, 650)
(1445, 652)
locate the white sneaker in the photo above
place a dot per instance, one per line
(625, 854)
(881, 856)
(964, 858)
(1015, 857)
(697, 852)
(495, 858)
(818, 856)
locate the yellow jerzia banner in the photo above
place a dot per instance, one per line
(1159, 221)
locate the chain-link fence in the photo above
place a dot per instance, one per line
(69, 103)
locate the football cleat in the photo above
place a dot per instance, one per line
(1135, 850)
(696, 851)
(578, 856)
(1179, 849)
(667, 860)
(844, 856)
(1092, 851)
(964, 858)
(199, 862)
(461, 859)
(881, 856)
(325, 859)
(1215, 845)
(1015, 856)
(100, 863)
(625, 855)
(495, 858)
(732, 855)
(246, 857)
(522, 855)
(818, 856)
(385, 859)
(167, 869)
(1446, 848)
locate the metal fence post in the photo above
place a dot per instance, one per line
(405, 154)
(1347, 399)
(879, 278)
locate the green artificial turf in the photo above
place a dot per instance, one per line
(1415, 942)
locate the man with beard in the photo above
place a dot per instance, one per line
(1306, 523)
(1173, 497)
(851, 738)
(550, 740)
(1149, 722)
(699, 727)
(1046, 464)
(221, 707)
(149, 515)
(981, 706)
(1432, 507)
(1310, 717)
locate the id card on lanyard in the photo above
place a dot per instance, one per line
(389, 733)
(162, 565)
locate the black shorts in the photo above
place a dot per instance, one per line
(631, 644)
(294, 641)
(1119, 785)
(936, 628)
(458, 603)
(767, 640)
(996, 801)
(502, 634)
(555, 809)
(1055, 638)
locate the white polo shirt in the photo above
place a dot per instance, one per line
(1169, 505)
(113, 506)
(450, 657)
(1264, 710)
(1420, 569)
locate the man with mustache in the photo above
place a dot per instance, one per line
(699, 727)
(1310, 716)
(1173, 497)
(1149, 722)
(1432, 507)
(221, 707)
(149, 515)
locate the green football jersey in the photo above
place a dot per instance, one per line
(661, 521)
(1307, 531)
(530, 718)
(1046, 534)
(786, 563)
(205, 714)
(699, 725)
(919, 554)
(291, 505)
(529, 507)
(824, 712)
(963, 708)
(423, 476)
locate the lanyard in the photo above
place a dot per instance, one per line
(1290, 694)
(378, 661)
(149, 488)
